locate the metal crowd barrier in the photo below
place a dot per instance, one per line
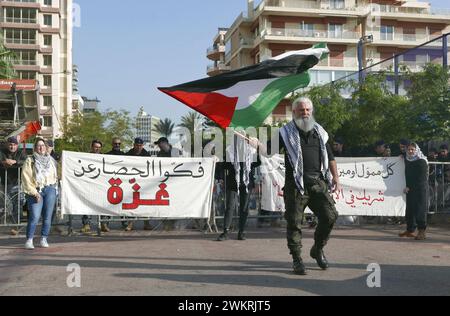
(12, 201)
(439, 187)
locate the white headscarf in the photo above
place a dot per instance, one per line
(417, 156)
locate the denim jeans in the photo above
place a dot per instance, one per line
(45, 208)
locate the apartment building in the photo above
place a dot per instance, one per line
(39, 32)
(273, 27)
(145, 125)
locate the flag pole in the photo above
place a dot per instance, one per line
(242, 136)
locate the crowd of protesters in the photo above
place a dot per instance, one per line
(40, 188)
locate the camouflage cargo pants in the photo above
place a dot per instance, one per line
(319, 200)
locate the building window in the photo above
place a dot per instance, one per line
(47, 20)
(47, 100)
(227, 47)
(387, 33)
(335, 30)
(48, 2)
(337, 4)
(26, 57)
(48, 60)
(324, 77)
(48, 120)
(47, 81)
(47, 40)
(27, 75)
(306, 29)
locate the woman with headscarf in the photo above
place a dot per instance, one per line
(416, 192)
(39, 183)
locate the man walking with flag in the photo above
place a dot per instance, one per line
(245, 98)
(311, 171)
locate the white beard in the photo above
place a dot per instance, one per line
(306, 124)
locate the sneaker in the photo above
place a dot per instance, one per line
(29, 244)
(44, 243)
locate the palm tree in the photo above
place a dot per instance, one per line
(193, 121)
(164, 127)
(6, 57)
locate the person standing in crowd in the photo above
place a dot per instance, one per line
(138, 150)
(433, 154)
(338, 148)
(39, 182)
(96, 148)
(116, 151)
(166, 151)
(403, 146)
(382, 149)
(51, 150)
(311, 172)
(241, 162)
(416, 193)
(116, 147)
(11, 160)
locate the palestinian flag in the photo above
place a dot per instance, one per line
(247, 96)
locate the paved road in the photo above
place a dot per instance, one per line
(190, 263)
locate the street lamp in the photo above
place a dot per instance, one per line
(367, 39)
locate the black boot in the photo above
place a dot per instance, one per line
(223, 236)
(299, 267)
(319, 256)
(241, 236)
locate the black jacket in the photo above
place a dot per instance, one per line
(13, 172)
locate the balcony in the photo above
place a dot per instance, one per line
(8, 19)
(405, 39)
(310, 5)
(24, 62)
(390, 10)
(346, 62)
(292, 4)
(214, 52)
(297, 34)
(23, 41)
(215, 69)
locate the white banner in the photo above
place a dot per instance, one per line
(136, 186)
(371, 186)
(273, 173)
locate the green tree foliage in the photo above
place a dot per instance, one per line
(164, 127)
(331, 109)
(80, 130)
(363, 114)
(429, 95)
(193, 121)
(6, 66)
